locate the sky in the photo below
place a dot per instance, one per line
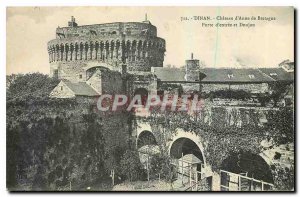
(28, 29)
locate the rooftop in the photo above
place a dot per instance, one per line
(81, 88)
(224, 75)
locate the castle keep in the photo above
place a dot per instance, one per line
(78, 48)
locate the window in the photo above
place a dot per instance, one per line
(230, 76)
(61, 88)
(80, 76)
(55, 74)
(273, 74)
(251, 76)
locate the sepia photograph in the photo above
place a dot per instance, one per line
(150, 98)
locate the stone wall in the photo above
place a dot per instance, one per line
(253, 88)
(112, 82)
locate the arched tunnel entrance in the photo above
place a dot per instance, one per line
(187, 160)
(147, 147)
(145, 138)
(250, 172)
(143, 92)
(184, 146)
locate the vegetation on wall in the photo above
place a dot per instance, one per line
(58, 144)
(223, 138)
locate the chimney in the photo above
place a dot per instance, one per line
(192, 56)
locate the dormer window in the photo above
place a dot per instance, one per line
(251, 76)
(61, 88)
(230, 76)
(273, 74)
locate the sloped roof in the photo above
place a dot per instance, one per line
(169, 74)
(214, 75)
(248, 75)
(190, 158)
(81, 88)
(278, 74)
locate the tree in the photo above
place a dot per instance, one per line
(131, 166)
(160, 165)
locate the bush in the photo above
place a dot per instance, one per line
(160, 165)
(131, 167)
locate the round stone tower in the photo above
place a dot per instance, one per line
(78, 48)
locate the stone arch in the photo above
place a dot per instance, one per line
(149, 44)
(153, 45)
(144, 94)
(106, 48)
(97, 49)
(145, 45)
(101, 50)
(139, 49)
(128, 49)
(134, 50)
(57, 52)
(190, 137)
(91, 51)
(71, 51)
(157, 45)
(67, 49)
(61, 52)
(90, 70)
(76, 49)
(145, 138)
(86, 49)
(249, 164)
(118, 45)
(112, 48)
(51, 53)
(81, 48)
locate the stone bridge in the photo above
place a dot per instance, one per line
(182, 142)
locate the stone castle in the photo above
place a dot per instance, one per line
(127, 58)
(78, 48)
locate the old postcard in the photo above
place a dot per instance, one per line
(150, 99)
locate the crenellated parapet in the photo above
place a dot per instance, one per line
(134, 44)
